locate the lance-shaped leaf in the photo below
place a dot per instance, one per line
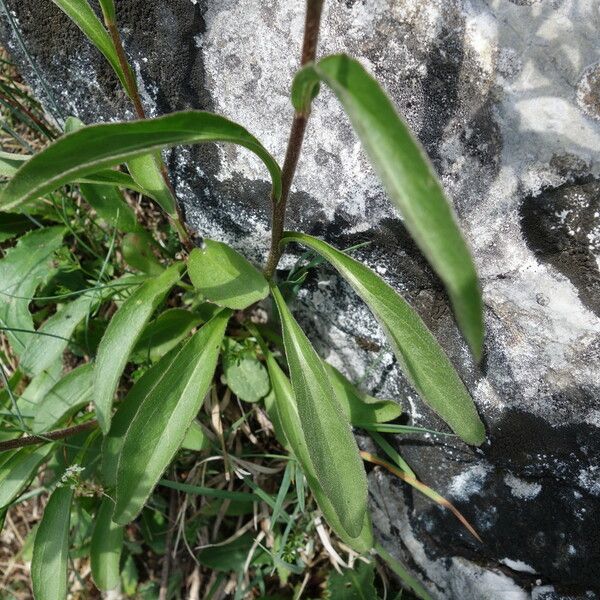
(145, 170)
(70, 394)
(286, 414)
(21, 271)
(98, 147)
(54, 335)
(225, 277)
(110, 206)
(331, 445)
(81, 13)
(108, 9)
(105, 548)
(51, 548)
(113, 442)
(409, 179)
(421, 357)
(359, 407)
(164, 416)
(18, 470)
(10, 163)
(121, 335)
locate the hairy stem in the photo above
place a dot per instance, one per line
(309, 50)
(134, 94)
(59, 434)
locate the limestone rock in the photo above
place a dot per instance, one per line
(505, 95)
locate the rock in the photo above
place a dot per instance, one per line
(504, 95)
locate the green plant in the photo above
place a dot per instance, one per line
(178, 319)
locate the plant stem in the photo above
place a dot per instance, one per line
(59, 434)
(309, 50)
(134, 95)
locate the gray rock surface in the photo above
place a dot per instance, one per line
(505, 95)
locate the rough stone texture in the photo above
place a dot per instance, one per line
(505, 95)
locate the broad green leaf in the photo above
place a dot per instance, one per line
(51, 548)
(22, 269)
(10, 163)
(18, 470)
(113, 442)
(122, 333)
(106, 200)
(108, 10)
(195, 438)
(163, 334)
(39, 386)
(137, 253)
(105, 549)
(246, 376)
(165, 414)
(145, 170)
(98, 147)
(109, 204)
(72, 393)
(287, 416)
(54, 335)
(225, 277)
(13, 224)
(331, 445)
(357, 406)
(409, 178)
(80, 12)
(418, 352)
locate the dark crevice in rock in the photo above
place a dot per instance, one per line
(562, 227)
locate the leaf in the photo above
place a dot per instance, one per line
(129, 576)
(232, 556)
(225, 277)
(331, 445)
(287, 415)
(113, 441)
(51, 548)
(145, 170)
(13, 224)
(22, 269)
(353, 584)
(122, 333)
(109, 204)
(137, 253)
(106, 200)
(165, 414)
(108, 10)
(54, 335)
(18, 470)
(195, 438)
(97, 147)
(10, 163)
(422, 359)
(80, 12)
(164, 333)
(105, 549)
(359, 407)
(410, 181)
(70, 394)
(246, 376)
